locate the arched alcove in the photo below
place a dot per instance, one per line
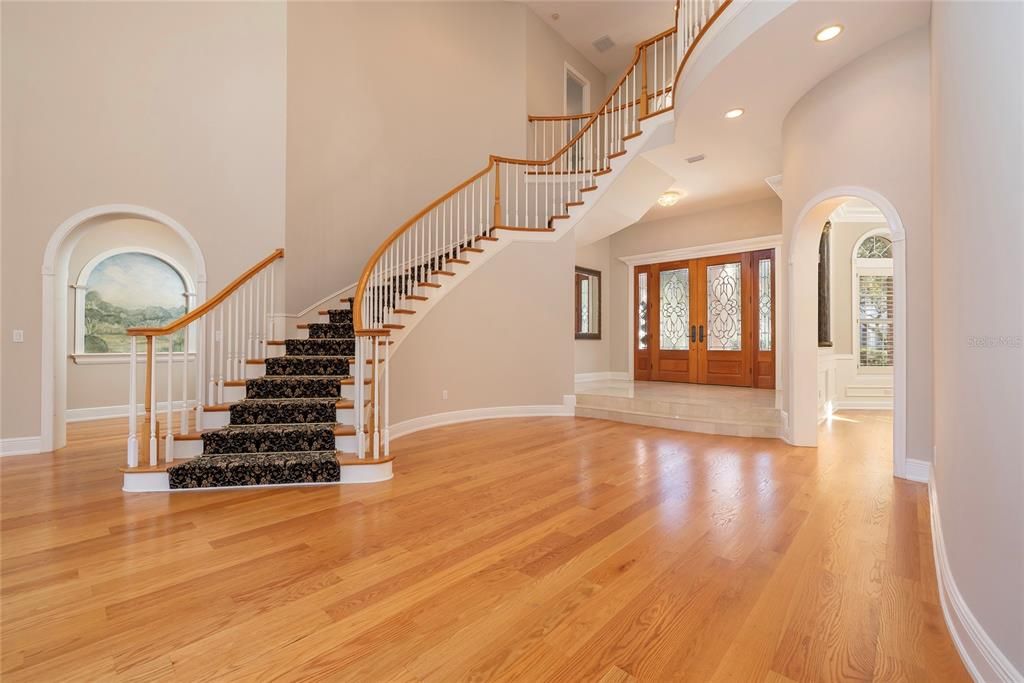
(801, 360)
(54, 305)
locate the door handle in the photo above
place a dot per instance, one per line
(701, 334)
(693, 333)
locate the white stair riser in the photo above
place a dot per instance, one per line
(233, 394)
(188, 448)
(255, 371)
(345, 416)
(215, 419)
(345, 443)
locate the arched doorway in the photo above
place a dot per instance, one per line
(54, 337)
(802, 353)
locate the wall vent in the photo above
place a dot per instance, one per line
(603, 44)
(695, 159)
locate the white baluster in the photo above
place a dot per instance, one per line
(202, 387)
(219, 336)
(151, 373)
(183, 420)
(376, 397)
(169, 438)
(386, 413)
(133, 417)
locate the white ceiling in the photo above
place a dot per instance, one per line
(766, 75)
(627, 23)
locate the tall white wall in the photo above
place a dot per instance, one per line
(501, 338)
(977, 52)
(865, 125)
(178, 107)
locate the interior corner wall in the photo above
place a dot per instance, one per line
(177, 107)
(746, 220)
(977, 52)
(390, 105)
(546, 55)
(499, 339)
(592, 355)
(866, 125)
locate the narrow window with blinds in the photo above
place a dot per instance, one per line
(872, 304)
(875, 321)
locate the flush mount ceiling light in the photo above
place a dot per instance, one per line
(734, 113)
(828, 33)
(669, 198)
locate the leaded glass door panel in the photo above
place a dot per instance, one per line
(673, 325)
(724, 329)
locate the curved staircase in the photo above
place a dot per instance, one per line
(319, 413)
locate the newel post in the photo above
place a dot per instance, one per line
(497, 194)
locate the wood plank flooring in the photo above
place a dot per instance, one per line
(542, 549)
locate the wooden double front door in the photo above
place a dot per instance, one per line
(706, 321)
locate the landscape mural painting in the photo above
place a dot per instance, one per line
(131, 290)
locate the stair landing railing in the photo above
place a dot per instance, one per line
(570, 154)
(225, 332)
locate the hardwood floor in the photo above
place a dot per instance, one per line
(534, 549)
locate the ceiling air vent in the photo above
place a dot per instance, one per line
(603, 44)
(695, 159)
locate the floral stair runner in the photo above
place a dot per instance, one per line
(283, 431)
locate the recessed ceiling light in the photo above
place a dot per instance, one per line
(734, 113)
(828, 33)
(669, 198)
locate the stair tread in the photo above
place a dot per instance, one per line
(428, 284)
(416, 297)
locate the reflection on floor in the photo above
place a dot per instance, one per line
(734, 411)
(530, 549)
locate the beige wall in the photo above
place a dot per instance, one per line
(865, 125)
(592, 355)
(546, 56)
(978, 208)
(179, 107)
(389, 106)
(488, 342)
(758, 218)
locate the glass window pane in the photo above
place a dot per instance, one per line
(641, 331)
(876, 344)
(875, 246)
(764, 304)
(674, 310)
(724, 311)
(584, 305)
(875, 314)
(130, 290)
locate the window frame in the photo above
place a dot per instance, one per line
(586, 273)
(81, 288)
(870, 266)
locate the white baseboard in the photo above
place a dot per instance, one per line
(985, 662)
(21, 445)
(862, 404)
(918, 470)
(566, 409)
(600, 376)
(105, 412)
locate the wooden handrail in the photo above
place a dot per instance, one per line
(208, 305)
(696, 39)
(364, 278)
(639, 52)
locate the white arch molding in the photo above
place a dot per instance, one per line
(801, 370)
(52, 366)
